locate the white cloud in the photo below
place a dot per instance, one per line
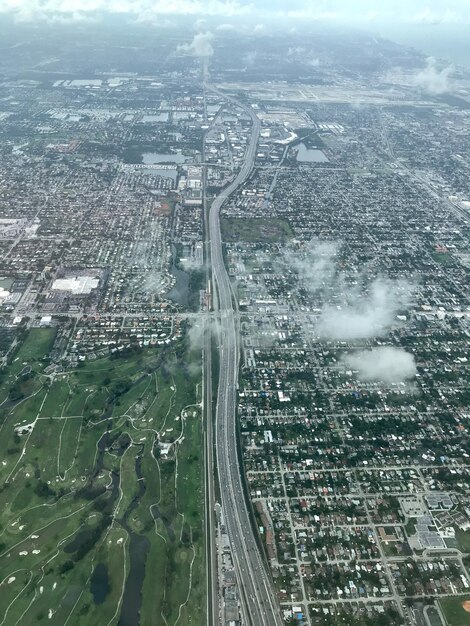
(307, 13)
(260, 29)
(432, 80)
(31, 10)
(362, 309)
(316, 268)
(426, 16)
(366, 315)
(386, 364)
(335, 11)
(250, 58)
(201, 46)
(225, 28)
(200, 25)
(197, 330)
(298, 54)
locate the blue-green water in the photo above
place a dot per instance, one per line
(443, 41)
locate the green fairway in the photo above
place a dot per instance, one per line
(101, 511)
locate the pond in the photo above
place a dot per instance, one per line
(307, 155)
(180, 290)
(150, 158)
(99, 583)
(139, 547)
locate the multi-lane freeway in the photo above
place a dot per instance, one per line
(258, 601)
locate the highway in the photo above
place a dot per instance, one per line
(213, 599)
(259, 604)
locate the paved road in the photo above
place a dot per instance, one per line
(213, 603)
(213, 599)
(259, 605)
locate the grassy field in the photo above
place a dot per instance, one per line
(454, 612)
(101, 506)
(255, 229)
(444, 258)
(463, 539)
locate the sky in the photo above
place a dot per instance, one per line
(363, 12)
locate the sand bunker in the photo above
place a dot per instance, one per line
(466, 605)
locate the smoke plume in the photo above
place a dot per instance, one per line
(385, 364)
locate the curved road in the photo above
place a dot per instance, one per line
(259, 605)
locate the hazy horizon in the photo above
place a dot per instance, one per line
(433, 27)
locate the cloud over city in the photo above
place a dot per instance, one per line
(432, 80)
(201, 46)
(385, 364)
(353, 306)
(366, 314)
